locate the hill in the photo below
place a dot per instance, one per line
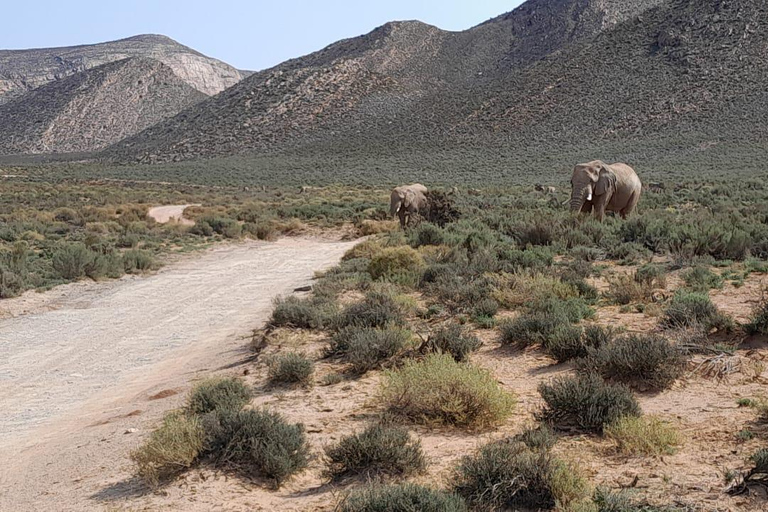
(25, 70)
(402, 78)
(92, 109)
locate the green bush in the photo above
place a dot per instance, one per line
(566, 342)
(303, 313)
(651, 275)
(440, 390)
(426, 234)
(649, 360)
(396, 263)
(586, 402)
(401, 498)
(262, 443)
(137, 260)
(71, 260)
(539, 438)
(367, 348)
(290, 368)
(218, 394)
(509, 475)
(694, 310)
(702, 279)
(170, 449)
(534, 258)
(378, 450)
(375, 310)
(758, 321)
(574, 309)
(531, 329)
(229, 228)
(453, 339)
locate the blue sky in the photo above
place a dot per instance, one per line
(247, 34)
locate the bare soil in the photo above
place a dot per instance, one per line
(86, 369)
(168, 213)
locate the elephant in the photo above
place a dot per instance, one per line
(406, 201)
(602, 187)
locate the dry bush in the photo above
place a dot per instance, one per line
(624, 289)
(368, 348)
(171, 449)
(377, 309)
(218, 394)
(378, 450)
(405, 497)
(516, 290)
(508, 475)
(438, 390)
(453, 339)
(367, 249)
(303, 313)
(643, 435)
(649, 360)
(369, 227)
(290, 368)
(399, 264)
(691, 310)
(585, 402)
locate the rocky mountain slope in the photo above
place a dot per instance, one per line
(95, 108)
(25, 70)
(401, 75)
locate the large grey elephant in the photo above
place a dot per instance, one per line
(407, 201)
(601, 187)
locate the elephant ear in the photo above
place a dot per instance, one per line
(606, 182)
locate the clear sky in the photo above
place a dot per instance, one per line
(252, 35)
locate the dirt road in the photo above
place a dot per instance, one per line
(164, 214)
(81, 373)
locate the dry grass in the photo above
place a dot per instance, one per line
(644, 435)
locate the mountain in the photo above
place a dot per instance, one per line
(92, 109)
(25, 70)
(404, 78)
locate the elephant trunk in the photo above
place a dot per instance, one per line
(579, 196)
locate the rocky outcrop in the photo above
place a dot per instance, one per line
(92, 109)
(24, 70)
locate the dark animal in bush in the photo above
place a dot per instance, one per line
(601, 187)
(440, 209)
(656, 187)
(407, 201)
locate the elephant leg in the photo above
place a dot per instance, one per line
(401, 215)
(601, 203)
(631, 204)
(587, 208)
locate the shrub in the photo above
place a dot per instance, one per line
(440, 390)
(702, 279)
(574, 309)
(457, 292)
(516, 290)
(229, 228)
(137, 260)
(366, 348)
(531, 329)
(486, 308)
(694, 310)
(71, 260)
(290, 368)
(263, 443)
(402, 498)
(644, 435)
(426, 234)
(302, 313)
(649, 360)
(218, 394)
(264, 230)
(758, 322)
(566, 342)
(454, 340)
(539, 438)
(397, 261)
(651, 275)
(596, 336)
(509, 475)
(378, 450)
(585, 402)
(170, 449)
(375, 310)
(624, 289)
(535, 258)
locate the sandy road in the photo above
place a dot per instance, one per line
(164, 214)
(75, 374)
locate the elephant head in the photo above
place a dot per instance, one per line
(406, 197)
(590, 181)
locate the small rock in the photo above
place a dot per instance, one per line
(130, 431)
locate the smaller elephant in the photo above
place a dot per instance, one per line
(605, 188)
(407, 201)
